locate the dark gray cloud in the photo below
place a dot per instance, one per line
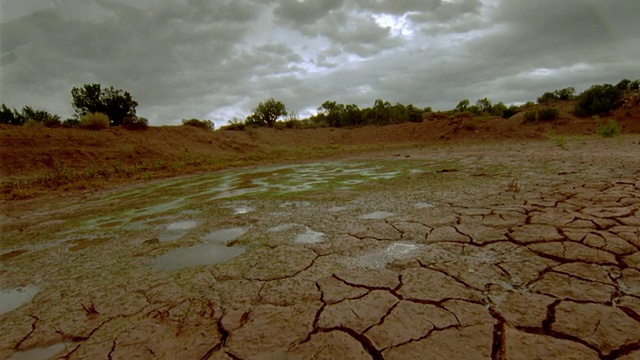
(301, 13)
(219, 58)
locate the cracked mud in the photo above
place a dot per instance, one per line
(525, 251)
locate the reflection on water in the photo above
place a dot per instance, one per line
(282, 227)
(376, 215)
(182, 225)
(198, 255)
(310, 237)
(13, 298)
(380, 258)
(224, 236)
(175, 197)
(39, 353)
(423, 205)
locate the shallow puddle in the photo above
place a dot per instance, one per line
(177, 230)
(14, 298)
(199, 255)
(39, 353)
(182, 225)
(380, 258)
(376, 215)
(243, 210)
(310, 237)
(423, 205)
(225, 236)
(282, 227)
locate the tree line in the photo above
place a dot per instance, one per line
(96, 107)
(596, 100)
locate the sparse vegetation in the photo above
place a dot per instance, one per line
(131, 122)
(28, 116)
(562, 94)
(71, 123)
(608, 129)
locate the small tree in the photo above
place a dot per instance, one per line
(379, 114)
(91, 98)
(484, 105)
(266, 113)
(462, 105)
(332, 113)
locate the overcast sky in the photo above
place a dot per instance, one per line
(216, 59)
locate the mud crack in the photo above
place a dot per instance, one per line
(33, 328)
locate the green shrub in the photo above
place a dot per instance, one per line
(565, 94)
(94, 121)
(203, 124)
(32, 117)
(510, 111)
(71, 123)
(132, 122)
(608, 129)
(597, 99)
(547, 114)
(529, 116)
(547, 97)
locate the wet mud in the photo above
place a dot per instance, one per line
(497, 251)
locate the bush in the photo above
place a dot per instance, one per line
(203, 124)
(510, 111)
(529, 116)
(597, 99)
(547, 97)
(94, 121)
(547, 114)
(71, 123)
(131, 122)
(623, 85)
(32, 117)
(609, 129)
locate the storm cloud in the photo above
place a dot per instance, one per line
(218, 59)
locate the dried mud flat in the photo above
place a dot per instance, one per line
(491, 251)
